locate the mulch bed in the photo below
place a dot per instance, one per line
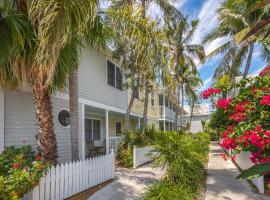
(89, 192)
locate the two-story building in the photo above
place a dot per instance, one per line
(102, 107)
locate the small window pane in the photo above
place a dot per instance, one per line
(96, 130)
(160, 100)
(118, 128)
(152, 99)
(88, 130)
(118, 79)
(111, 73)
(63, 118)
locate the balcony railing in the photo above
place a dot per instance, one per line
(114, 142)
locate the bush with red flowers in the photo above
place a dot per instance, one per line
(20, 172)
(210, 92)
(246, 126)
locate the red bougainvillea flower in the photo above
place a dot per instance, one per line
(228, 143)
(265, 71)
(224, 156)
(233, 158)
(228, 131)
(38, 157)
(15, 166)
(241, 107)
(223, 103)
(210, 92)
(254, 157)
(265, 100)
(238, 117)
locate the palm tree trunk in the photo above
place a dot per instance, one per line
(130, 105)
(191, 114)
(74, 114)
(176, 110)
(182, 103)
(250, 53)
(145, 109)
(46, 138)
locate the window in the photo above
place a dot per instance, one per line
(63, 118)
(114, 76)
(92, 129)
(152, 99)
(136, 94)
(111, 73)
(166, 102)
(160, 100)
(118, 79)
(118, 128)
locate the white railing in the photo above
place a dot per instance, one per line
(141, 156)
(68, 179)
(244, 163)
(113, 143)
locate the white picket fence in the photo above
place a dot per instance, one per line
(68, 179)
(244, 163)
(141, 156)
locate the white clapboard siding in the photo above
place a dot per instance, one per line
(68, 179)
(141, 156)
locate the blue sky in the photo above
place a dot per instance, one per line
(205, 11)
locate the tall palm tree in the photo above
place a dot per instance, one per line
(234, 25)
(98, 35)
(45, 61)
(179, 34)
(137, 43)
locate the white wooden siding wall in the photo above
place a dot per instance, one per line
(244, 163)
(93, 81)
(20, 123)
(141, 156)
(2, 120)
(68, 179)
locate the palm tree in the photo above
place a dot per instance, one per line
(97, 36)
(45, 61)
(234, 25)
(179, 34)
(137, 44)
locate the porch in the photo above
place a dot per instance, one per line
(101, 130)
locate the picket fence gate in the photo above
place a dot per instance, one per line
(68, 179)
(141, 155)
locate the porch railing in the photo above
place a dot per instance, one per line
(114, 142)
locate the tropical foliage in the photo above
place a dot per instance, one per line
(244, 120)
(20, 171)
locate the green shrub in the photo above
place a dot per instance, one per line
(131, 139)
(20, 172)
(183, 155)
(167, 191)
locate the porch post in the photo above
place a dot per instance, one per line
(83, 131)
(2, 120)
(107, 132)
(164, 107)
(164, 125)
(139, 122)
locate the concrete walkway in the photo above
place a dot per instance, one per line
(221, 183)
(130, 184)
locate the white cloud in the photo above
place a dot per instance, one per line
(256, 72)
(208, 19)
(179, 3)
(207, 81)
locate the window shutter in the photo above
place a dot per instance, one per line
(111, 73)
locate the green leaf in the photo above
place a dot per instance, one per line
(255, 171)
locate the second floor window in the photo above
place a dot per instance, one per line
(118, 128)
(152, 99)
(114, 76)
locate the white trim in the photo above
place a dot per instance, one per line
(83, 132)
(65, 96)
(107, 131)
(2, 121)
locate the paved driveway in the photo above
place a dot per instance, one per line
(130, 184)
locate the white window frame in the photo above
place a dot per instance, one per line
(115, 66)
(98, 119)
